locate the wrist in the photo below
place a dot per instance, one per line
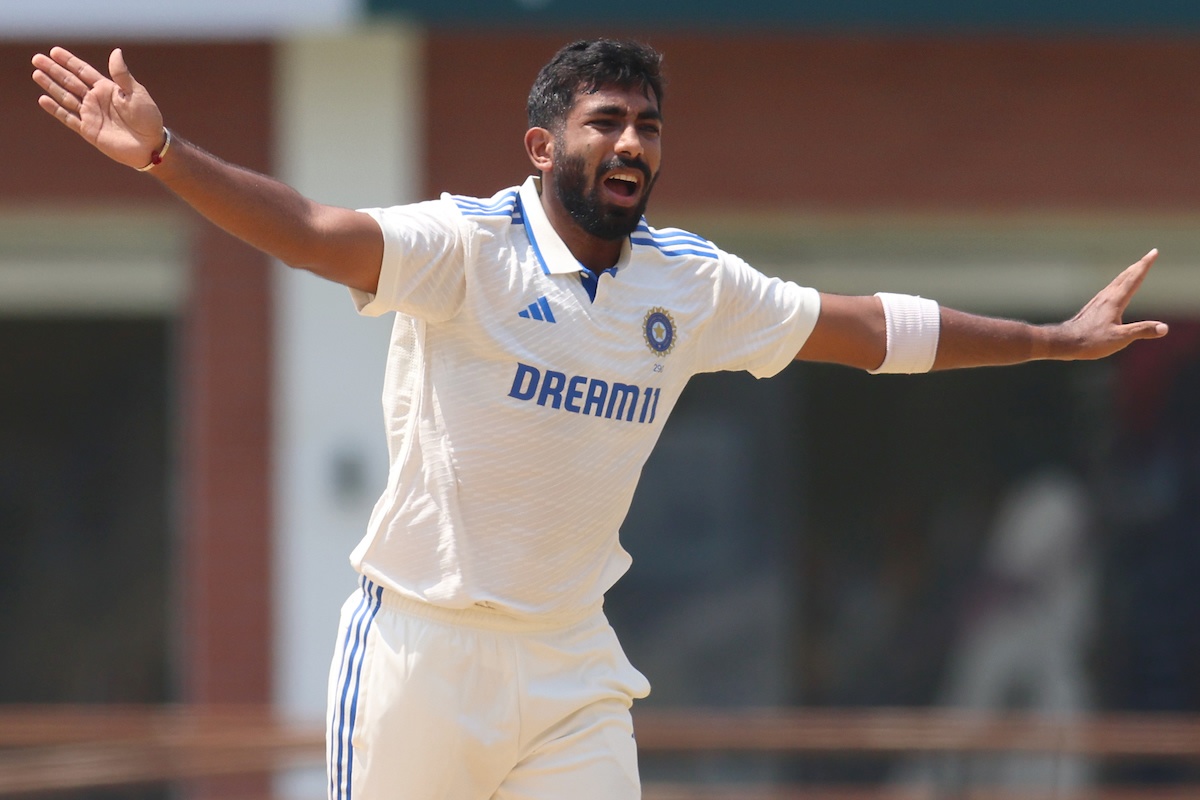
(1053, 342)
(157, 156)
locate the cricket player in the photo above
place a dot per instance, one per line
(541, 338)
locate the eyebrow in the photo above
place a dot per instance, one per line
(617, 111)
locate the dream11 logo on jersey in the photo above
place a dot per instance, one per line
(580, 394)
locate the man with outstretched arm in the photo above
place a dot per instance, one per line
(541, 338)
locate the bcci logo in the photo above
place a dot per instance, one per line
(659, 329)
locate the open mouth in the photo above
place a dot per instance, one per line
(623, 184)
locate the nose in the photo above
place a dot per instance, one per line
(630, 143)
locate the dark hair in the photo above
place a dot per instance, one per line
(587, 65)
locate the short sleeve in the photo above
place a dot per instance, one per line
(423, 270)
(758, 323)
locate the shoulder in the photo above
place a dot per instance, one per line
(694, 261)
(501, 208)
(457, 217)
(673, 244)
(453, 210)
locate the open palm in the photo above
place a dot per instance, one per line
(1098, 329)
(116, 115)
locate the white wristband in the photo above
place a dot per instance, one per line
(913, 325)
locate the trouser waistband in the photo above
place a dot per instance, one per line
(476, 616)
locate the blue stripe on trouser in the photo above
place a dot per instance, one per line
(341, 747)
(357, 682)
(335, 729)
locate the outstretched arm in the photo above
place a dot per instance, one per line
(119, 118)
(852, 331)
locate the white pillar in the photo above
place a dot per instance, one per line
(349, 122)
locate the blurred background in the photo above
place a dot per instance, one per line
(191, 438)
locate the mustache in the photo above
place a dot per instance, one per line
(617, 162)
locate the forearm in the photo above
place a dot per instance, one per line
(861, 332)
(339, 244)
(967, 340)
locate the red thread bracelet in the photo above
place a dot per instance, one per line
(156, 157)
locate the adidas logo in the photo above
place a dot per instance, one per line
(539, 311)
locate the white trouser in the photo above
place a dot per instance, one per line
(429, 703)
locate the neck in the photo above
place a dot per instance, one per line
(593, 252)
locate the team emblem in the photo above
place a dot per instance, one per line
(659, 330)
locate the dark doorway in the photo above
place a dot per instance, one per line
(85, 520)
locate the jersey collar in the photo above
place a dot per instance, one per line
(551, 251)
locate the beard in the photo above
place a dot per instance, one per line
(587, 208)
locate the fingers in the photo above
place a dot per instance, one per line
(64, 116)
(1136, 273)
(59, 75)
(60, 92)
(1125, 286)
(1142, 266)
(63, 92)
(75, 66)
(65, 80)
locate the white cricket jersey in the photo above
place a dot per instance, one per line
(520, 411)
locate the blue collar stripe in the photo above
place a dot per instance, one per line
(537, 251)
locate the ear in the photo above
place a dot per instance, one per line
(539, 146)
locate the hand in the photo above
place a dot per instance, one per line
(1097, 330)
(117, 116)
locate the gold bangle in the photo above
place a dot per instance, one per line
(157, 156)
